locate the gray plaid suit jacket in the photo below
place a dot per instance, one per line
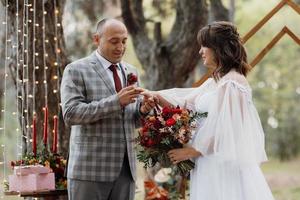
(100, 129)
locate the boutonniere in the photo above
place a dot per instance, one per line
(131, 79)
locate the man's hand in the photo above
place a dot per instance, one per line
(129, 94)
(149, 102)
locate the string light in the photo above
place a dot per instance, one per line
(19, 98)
(33, 60)
(44, 57)
(3, 128)
(23, 121)
(27, 68)
(57, 52)
(22, 63)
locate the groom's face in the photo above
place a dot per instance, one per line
(112, 41)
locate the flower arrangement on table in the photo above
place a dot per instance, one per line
(164, 130)
(52, 160)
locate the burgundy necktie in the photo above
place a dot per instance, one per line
(117, 80)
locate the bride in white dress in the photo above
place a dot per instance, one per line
(228, 145)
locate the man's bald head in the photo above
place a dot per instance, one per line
(105, 23)
(110, 37)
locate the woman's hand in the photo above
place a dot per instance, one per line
(157, 98)
(149, 101)
(178, 155)
(151, 95)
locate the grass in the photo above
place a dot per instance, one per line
(283, 178)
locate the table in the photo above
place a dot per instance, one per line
(46, 194)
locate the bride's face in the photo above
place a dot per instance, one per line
(207, 56)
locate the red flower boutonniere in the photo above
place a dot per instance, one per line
(131, 79)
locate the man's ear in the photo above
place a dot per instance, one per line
(96, 39)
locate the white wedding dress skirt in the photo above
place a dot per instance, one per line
(231, 140)
(212, 179)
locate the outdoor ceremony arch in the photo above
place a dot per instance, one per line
(271, 44)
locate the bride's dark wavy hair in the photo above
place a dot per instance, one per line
(229, 53)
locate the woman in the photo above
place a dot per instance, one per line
(228, 145)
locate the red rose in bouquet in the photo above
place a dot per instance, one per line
(166, 129)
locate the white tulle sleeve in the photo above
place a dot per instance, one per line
(185, 97)
(232, 130)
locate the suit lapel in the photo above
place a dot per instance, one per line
(97, 66)
(124, 73)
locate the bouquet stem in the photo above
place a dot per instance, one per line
(185, 167)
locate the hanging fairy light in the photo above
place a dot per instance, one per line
(56, 76)
(3, 111)
(18, 82)
(57, 49)
(35, 82)
(26, 24)
(44, 56)
(24, 121)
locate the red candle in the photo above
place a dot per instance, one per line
(34, 135)
(54, 144)
(45, 125)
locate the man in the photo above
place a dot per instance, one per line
(102, 112)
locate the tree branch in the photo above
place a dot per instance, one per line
(182, 41)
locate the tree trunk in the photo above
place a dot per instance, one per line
(218, 11)
(55, 60)
(232, 10)
(168, 62)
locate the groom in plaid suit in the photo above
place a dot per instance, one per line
(102, 111)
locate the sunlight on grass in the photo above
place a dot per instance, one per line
(283, 178)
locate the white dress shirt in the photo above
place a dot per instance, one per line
(106, 64)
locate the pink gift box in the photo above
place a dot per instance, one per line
(31, 182)
(31, 169)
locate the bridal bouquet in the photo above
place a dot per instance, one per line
(164, 130)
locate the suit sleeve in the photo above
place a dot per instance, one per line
(76, 110)
(138, 115)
